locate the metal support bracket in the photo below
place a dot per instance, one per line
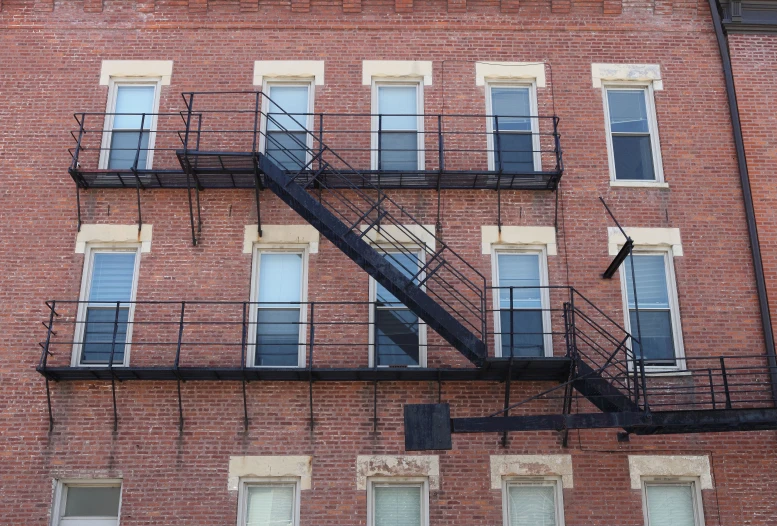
(508, 382)
(257, 188)
(48, 402)
(180, 408)
(78, 206)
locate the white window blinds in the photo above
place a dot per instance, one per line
(397, 505)
(280, 278)
(270, 505)
(521, 271)
(670, 505)
(532, 505)
(112, 277)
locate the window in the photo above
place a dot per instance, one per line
(672, 503)
(107, 305)
(279, 292)
(398, 335)
(401, 502)
(513, 134)
(398, 126)
(533, 502)
(130, 124)
(87, 503)
(288, 119)
(656, 323)
(523, 326)
(634, 150)
(269, 503)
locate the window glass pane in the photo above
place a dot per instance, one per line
(398, 106)
(277, 337)
(287, 150)
(280, 279)
(288, 106)
(407, 264)
(514, 152)
(532, 505)
(98, 335)
(628, 111)
(124, 149)
(527, 337)
(84, 501)
(633, 157)
(398, 150)
(650, 273)
(397, 505)
(396, 337)
(270, 506)
(112, 276)
(655, 335)
(521, 271)
(134, 100)
(512, 108)
(670, 505)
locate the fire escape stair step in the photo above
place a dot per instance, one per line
(600, 392)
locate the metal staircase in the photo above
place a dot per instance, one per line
(354, 212)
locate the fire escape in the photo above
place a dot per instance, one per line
(335, 176)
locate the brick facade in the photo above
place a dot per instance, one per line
(50, 58)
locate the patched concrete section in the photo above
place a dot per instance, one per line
(397, 466)
(531, 466)
(485, 71)
(270, 466)
(627, 72)
(645, 237)
(407, 235)
(114, 234)
(281, 235)
(669, 466)
(162, 69)
(518, 235)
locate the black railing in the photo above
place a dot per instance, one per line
(446, 151)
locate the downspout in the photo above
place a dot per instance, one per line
(744, 176)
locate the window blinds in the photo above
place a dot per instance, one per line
(670, 505)
(652, 291)
(270, 506)
(397, 505)
(532, 505)
(519, 270)
(280, 279)
(112, 276)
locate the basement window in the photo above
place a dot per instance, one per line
(268, 502)
(533, 502)
(672, 503)
(87, 503)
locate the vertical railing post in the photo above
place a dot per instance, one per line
(320, 141)
(256, 121)
(180, 337)
(243, 353)
(81, 131)
(643, 378)
(140, 143)
(498, 145)
(189, 107)
(512, 323)
(712, 388)
(380, 145)
(312, 336)
(725, 382)
(44, 358)
(440, 147)
(115, 330)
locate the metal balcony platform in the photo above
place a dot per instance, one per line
(555, 369)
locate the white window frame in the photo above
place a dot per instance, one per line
(242, 494)
(420, 482)
(373, 294)
(86, 285)
(542, 251)
(277, 248)
(655, 142)
(555, 482)
(535, 125)
(417, 83)
(267, 83)
(113, 90)
(674, 307)
(698, 507)
(60, 498)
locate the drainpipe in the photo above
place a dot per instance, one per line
(744, 176)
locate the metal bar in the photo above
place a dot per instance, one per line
(115, 411)
(257, 184)
(44, 357)
(180, 408)
(180, 336)
(712, 389)
(48, 403)
(191, 210)
(135, 167)
(256, 121)
(78, 206)
(320, 143)
(498, 152)
(440, 151)
(725, 382)
(310, 362)
(110, 367)
(508, 382)
(243, 353)
(619, 258)
(189, 107)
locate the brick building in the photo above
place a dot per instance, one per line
(290, 237)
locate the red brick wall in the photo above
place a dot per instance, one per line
(50, 67)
